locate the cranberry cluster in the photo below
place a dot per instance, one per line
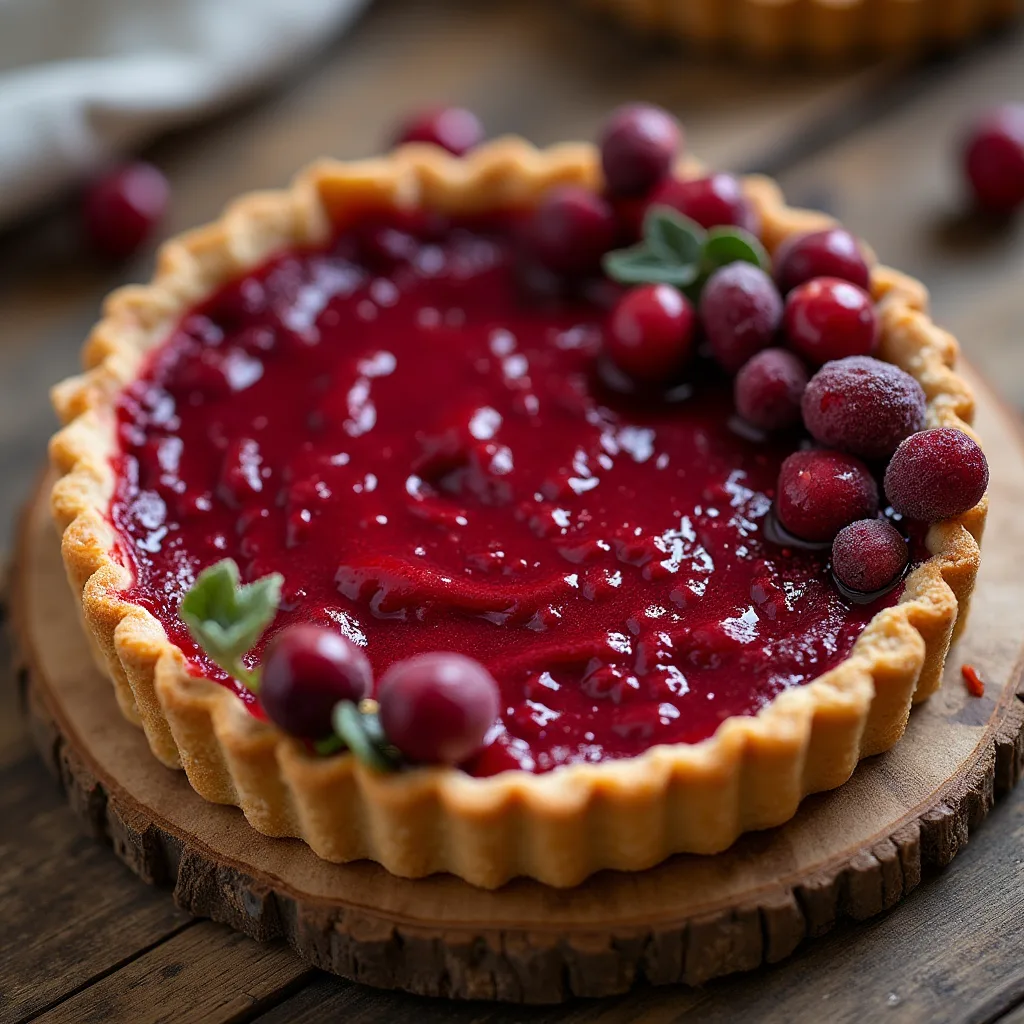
(434, 708)
(799, 341)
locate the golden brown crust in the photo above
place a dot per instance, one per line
(564, 825)
(820, 30)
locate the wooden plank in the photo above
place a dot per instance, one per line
(897, 183)
(207, 973)
(1015, 1016)
(70, 911)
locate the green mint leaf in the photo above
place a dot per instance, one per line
(725, 245)
(639, 265)
(227, 618)
(362, 735)
(673, 237)
(328, 746)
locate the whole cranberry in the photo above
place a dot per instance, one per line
(829, 253)
(437, 708)
(713, 201)
(863, 405)
(740, 309)
(639, 144)
(308, 669)
(936, 474)
(994, 159)
(650, 333)
(819, 492)
(828, 319)
(571, 230)
(869, 556)
(768, 389)
(122, 209)
(455, 129)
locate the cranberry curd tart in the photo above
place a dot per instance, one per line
(504, 511)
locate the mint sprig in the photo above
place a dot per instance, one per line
(227, 618)
(362, 734)
(678, 251)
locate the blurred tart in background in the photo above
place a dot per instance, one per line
(814, 29)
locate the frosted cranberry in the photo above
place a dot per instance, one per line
(571, 230)
(308, 669)
(121, 210)
(740, 309)
(936, 474)
(711, 202)
(453, 128)
(639, 144)
(828, 319)
(994, 159)
(863, 405)
(650, 333)
(819, 492)
(768, 389)
(437, 708)
(868, 556)
(830, 253)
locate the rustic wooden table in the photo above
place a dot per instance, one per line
(82, 939)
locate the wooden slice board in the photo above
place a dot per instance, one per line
(856, 851)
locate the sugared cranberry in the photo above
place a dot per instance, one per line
(868, 556)
(819, 492)
(994, 159)
(639, 144)
(863, 405)
(306, 671)
(650, 333)
(740, 309)
(830, 253)
(453, 128)
(437, 708)
(121, 210)
(828, 319)
(936, 474)
(711, 202)
(768, 389)
(571, 230)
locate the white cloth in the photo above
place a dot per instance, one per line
(82, 81)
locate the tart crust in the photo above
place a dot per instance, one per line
(820, 30)
(557, 827)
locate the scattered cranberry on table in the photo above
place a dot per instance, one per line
(437, 708)
(768, 389)
(714, 201)
(820, 492)
(869, 556)
(994, 159)
(121, 210)
(639, 145)
(740, 310)
(863, 406)
(936, 474)
(571, 229)
(455, 129)
(827, 318)
(308, 669)
(833, 252)
(650, 333)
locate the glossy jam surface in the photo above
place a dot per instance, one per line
(428, 453)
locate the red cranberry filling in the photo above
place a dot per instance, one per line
(431, 459)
